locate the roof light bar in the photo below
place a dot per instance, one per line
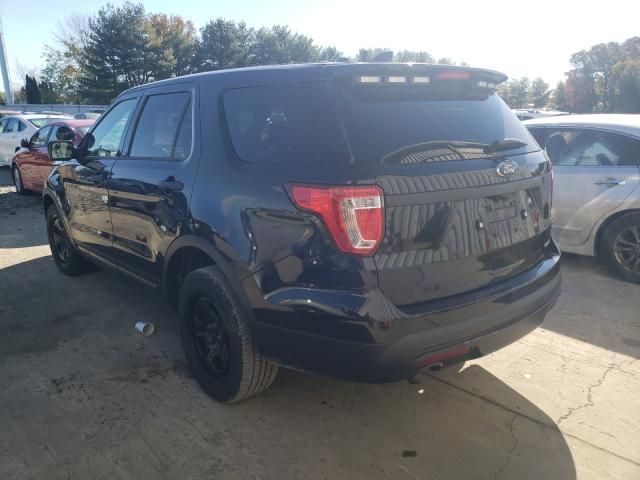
(421, 80)
(454, 75)
(485, 84)
(370, 79)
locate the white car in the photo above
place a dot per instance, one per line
(16, 127)
(596, 197)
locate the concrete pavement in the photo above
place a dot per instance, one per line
(82, 395)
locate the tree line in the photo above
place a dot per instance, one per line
(604, 78)
(100, 56)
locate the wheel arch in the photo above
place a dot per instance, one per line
(189, 253)
(609, 221)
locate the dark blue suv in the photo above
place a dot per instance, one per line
(365, 221)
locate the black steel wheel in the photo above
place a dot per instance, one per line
(64, 254)
(217, 341)
(210, 337)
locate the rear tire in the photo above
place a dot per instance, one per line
(67, 258)
(17, 180)
(216, 338)
(621, 247)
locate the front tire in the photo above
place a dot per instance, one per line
(621, 247)
(64, 254)
(216, 338)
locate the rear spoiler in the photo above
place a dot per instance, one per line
(417, 74)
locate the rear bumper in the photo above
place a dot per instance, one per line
(363, 338)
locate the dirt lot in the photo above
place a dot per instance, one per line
(82, 395)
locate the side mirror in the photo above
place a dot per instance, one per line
(88, 141)
(24, 143)
(60, 150)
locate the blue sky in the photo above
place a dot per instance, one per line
(534, 38)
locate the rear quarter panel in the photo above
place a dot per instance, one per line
(244, 211)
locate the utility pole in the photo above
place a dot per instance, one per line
(8, 96)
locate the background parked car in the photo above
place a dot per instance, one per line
(31, 165)
(529, 113)
(91, 114)
(6, 113)
(16, 127)
(596, 205)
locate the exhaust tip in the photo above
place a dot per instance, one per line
(435, 367)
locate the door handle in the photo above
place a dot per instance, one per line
(171, 185)
(611, 182)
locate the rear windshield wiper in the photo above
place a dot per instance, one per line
(504, 144)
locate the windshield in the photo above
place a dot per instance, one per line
(41, 122)
(383, 126)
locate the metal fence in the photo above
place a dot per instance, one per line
(62, 108)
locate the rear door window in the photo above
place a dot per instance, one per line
(286, 124)
(589, 148)
(160, 126)
(13, 125)
(183, 142)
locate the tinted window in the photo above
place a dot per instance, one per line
(182, 147)
(13, 125)
(39, 139)
(590, 148)
(286, 124)
(108, 133)
(540, 134)
(386, 122)
(159, 124)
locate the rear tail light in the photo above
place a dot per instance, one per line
(354, 216)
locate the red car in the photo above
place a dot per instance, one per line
(31, 165)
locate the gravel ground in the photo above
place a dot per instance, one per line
(9, 199)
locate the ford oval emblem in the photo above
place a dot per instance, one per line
(508, 168)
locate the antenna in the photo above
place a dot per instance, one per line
(8, 97)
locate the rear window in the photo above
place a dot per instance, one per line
(384, 122)
(286, 124)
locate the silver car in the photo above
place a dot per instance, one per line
(596, 202)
